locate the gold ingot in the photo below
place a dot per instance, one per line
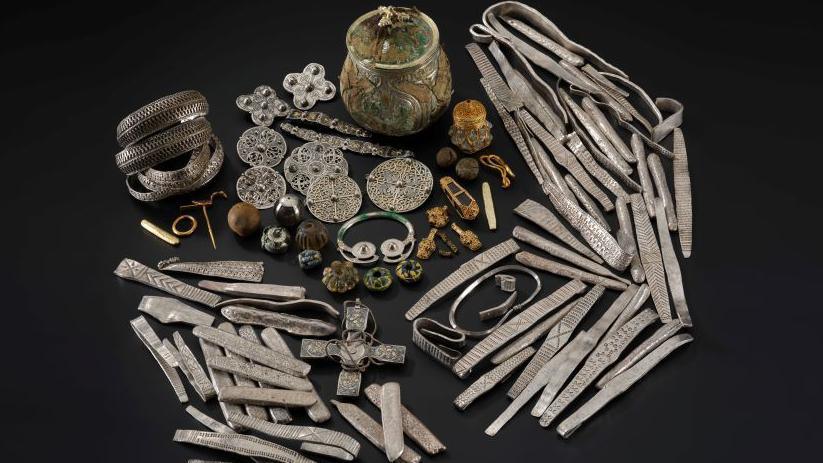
(470, 131)
(160, 233)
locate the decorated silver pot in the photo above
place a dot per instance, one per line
(396, 79)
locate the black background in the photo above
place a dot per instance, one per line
(77, 384)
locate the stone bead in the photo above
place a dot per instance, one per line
(446, 157)
(275, 240)
(409, 271)
(467, 168)
(311, 234)
(340, 277)
(377, 279)
(244, 219)
(309, 259)
(290, 210)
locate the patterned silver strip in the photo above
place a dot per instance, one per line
(252, 351)
(254, 410)
(663, 191)
(193, 370)
(544, 218)
(347, 144)
(651, 258)
(682, 193)
(240, 444)
(129, 269)
(299, 433)
(547, 265)
(672, 267)
(371, 430)
(149, 338)
(278, 414)
(492, 378)
(649, 344)
(412, 426)
(229, 269)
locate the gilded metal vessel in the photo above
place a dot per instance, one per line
(396, 79)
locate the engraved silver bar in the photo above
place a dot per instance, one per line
(170, 310)
(547, 165)
(173, 351)
(574, 352)
(595, 235)
(240, 380)
(299, 433)
(682, 193)
(516, 325)
(240, 444)
(318, 412)
(193, 370)
(149, 339)
(625, 238)
(278, 414)
(544, 41)
(392, 420)
(296, 305)
(208, 421)
(646, 181)
(541, 216)
(255, 290)
(130, 269)
(412, 426)
(466, 271)
(218, 378)
(556, 250)
(533, 334)
(672, 267)
(598, 137)
(585, 200)
(260, 373)
(492, 378)
(253, 352)
(298, 326)
(604, 355)
(635, 304)
(556, 339)
(586, 158)
(649, 344)
(266, 397)
(663, 192)
(651, 258)
(607, 129)
(228, 269)
(370, 429)
(620, 384)
(326, 450)
(547, 265)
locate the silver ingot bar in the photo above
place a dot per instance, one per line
(646, 181)
(649, 344)
(208, 421)
(299, 433)
(533, 334)
(255, 290)
(298, 326)
(318, 412)
(682, 193)
(547, 265)
(541, 216)
(371, 430)
(556, 338)
(466, 271)
(219, 379)
(228, 269)
(266, 397)
(635, 304)
(625, 238)
(252, 351)
(193, 370)
(170, 310)
(412, 426)
(620, 384)
(492, 378)
(240, 444)
(278, 414)
(296, 305)
(326, 451)
(392, 420)
(672, 267)
(239, 380)
(149, 338)
(516, 325)
(130, 269)
(260, 373)
(556, 250)
(663, 192)
(651, 258)
(604, 355)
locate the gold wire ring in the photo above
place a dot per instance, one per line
(184, 232)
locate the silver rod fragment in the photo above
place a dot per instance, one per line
(370, 429)
(170, 310)
(297, 305)
(672, 266)
(193, 370)
(260, 373)
(255, 290)
(149, 339)
(620, 384)
(326, 451)
(253, 352)
(492, 378)
(208, 421)
(240, 444)
(266, 397)
(682, 193)
(412, 426)
(295, 325)
(547, 265)
(391, 417)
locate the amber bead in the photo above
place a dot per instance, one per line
(311, 234)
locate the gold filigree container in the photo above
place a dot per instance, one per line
(470, 131)
(396, 79)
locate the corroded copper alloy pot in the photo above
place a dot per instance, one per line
(396, 79)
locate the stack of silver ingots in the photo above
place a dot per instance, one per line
(156, 137)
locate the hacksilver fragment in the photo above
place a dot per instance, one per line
(170, 310)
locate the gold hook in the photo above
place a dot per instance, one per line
(497, 163)
(203, 204)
